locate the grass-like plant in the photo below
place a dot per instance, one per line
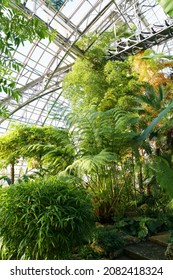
(44, 219)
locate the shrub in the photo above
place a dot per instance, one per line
(109, 239)
(44, 219)
(143, 226)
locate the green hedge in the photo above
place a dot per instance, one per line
(44, 219)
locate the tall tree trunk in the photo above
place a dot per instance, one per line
(12, 172)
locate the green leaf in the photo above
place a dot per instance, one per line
(148, 130)
(167, 5)
(41, 33)
(143, 232)
(157, 56)
(164, 174)
(7, 179)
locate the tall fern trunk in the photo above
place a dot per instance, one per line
(12, 173)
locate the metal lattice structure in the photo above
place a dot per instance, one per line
(45, 64)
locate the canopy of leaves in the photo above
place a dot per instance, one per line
(15, 29)
(102, 88)
(44, 144)
(84, 86)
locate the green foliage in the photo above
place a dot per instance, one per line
(142, 226)
(101, 138)
(164, 174)
(44, 219)
(87, 252)
(43, 147)
(110, 123)
(95, 47)
(15, 29)
(153, 98)
(92, 163)
(167, 5)
(9, 149)
(155, 56)
(103, 244)
(95, 83)
(160, 116)
(108, 239)
(84, 86)
(171, 237)
(121, 83)
(123, 30)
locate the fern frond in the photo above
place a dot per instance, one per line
(164, 174)
(91, 163)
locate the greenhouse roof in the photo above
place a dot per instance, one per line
(46, 63)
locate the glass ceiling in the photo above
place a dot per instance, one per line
(45, 64)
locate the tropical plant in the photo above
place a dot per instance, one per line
(111, 124)
(95, 83)
(44, 148)
(109, 239)
(9, 152)
(164, 174)
(160, 116)
(106, 242)
(158, 131)
(45, 219)
(16, 28)
(102, 139)
(143, 226)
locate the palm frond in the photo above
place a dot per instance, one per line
(160, 116)
(152, 98)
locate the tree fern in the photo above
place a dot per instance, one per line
(91, 163)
